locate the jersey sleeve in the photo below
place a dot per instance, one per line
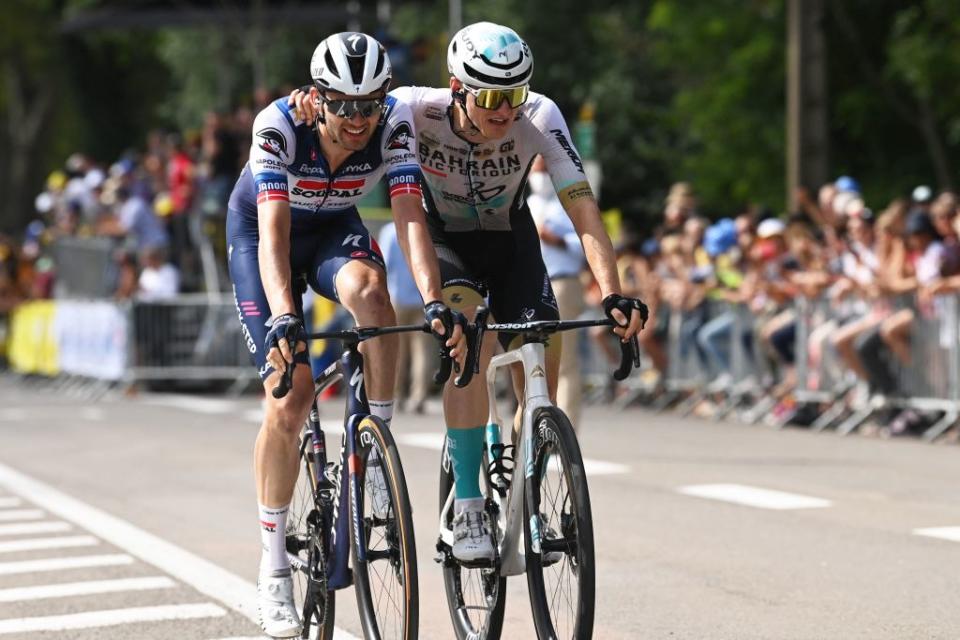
(399, 150)
(272, 151)
(563, 161)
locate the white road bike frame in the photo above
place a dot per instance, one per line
(513, 560)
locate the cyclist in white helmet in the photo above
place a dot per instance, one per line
(476, 140)
(292, 212)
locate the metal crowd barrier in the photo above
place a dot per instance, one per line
(86, 267)
(191, 337)
(931, 382)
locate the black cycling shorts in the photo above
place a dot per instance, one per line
(317, 253)
(504, 267)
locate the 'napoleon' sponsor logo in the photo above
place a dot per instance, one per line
(400, 138)
(434, 113)
(271, 163)
(272, 141)
(562, 140)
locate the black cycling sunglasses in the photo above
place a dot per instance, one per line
(348, 108)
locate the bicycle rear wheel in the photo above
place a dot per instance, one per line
(475, 597)
(561, 571)
(386, 582)
(305, 541)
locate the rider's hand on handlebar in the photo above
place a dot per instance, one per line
(445, 323)
(285, 337)
(306, 103)
(630, 314)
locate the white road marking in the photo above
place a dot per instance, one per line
(754, 496)
(11, 515)
(112, 617)
(6, 503)
(94, 414)
(209, 406)
(63, 542)
(944, 533)
(41, 592)
(13, 415)
(435, 441)
(58, 564)
(201, 574)
(34, 527)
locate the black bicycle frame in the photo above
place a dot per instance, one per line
(350, 369)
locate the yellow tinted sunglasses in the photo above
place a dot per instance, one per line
(493, 98)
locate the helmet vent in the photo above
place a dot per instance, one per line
(331, 65)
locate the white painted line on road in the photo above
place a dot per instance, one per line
(63, 542)
(754, 496)
(57, 564)
(12, 515)
(203, 575)
(112, 617)
(209, 406)
(94, 414)
(65, 590)
(435, 441)
(13, 415)
(34, 527)
(6, 503)
(944, 533)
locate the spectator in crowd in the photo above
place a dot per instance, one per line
(132, 218)
(159, 280)
(564, 260)
(414, 356)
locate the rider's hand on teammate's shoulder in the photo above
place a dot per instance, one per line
(286, 336)
(306, 100)
(441, 318)
(630, 314)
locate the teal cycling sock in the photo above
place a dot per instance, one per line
(465, 447)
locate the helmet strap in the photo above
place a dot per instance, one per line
(460, 97)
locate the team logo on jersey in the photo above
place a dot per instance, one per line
(565, 144)
(272, 141)
(400, 138)
(507, 146)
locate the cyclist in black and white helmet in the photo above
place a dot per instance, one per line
(293, 211)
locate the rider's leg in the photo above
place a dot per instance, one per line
(362, 288)
(275, 463)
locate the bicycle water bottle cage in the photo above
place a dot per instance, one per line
(500, 468)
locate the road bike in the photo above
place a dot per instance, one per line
(540, 519)
(332, 517)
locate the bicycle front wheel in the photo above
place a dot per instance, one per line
(386, 582)
(561, 571)
(305, 541)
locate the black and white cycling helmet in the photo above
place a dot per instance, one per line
(489, 56)
(351, 63)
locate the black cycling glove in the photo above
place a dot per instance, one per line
(437, 309)
(287, 327)
(626, 306)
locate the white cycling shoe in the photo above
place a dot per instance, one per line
(278, 613)
(471, 532)
(377, 490)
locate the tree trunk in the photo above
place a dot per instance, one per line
(25, 117)
(927, 123)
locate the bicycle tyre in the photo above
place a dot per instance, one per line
(306, 538)
(399, 556)
(554, 442)
(487, 627)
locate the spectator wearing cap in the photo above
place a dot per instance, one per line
(720, 244)
(922, 197)
(564, 259)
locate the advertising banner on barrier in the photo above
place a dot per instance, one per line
(92, 337)
(33, 346)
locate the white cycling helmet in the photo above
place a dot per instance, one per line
(489, 56)
(351, 63)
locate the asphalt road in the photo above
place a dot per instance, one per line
(138, 515)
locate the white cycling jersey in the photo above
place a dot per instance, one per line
(473, 187)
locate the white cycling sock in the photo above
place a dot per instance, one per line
(273, 526)
(383, 409)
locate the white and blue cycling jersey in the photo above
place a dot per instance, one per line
(286, 163)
